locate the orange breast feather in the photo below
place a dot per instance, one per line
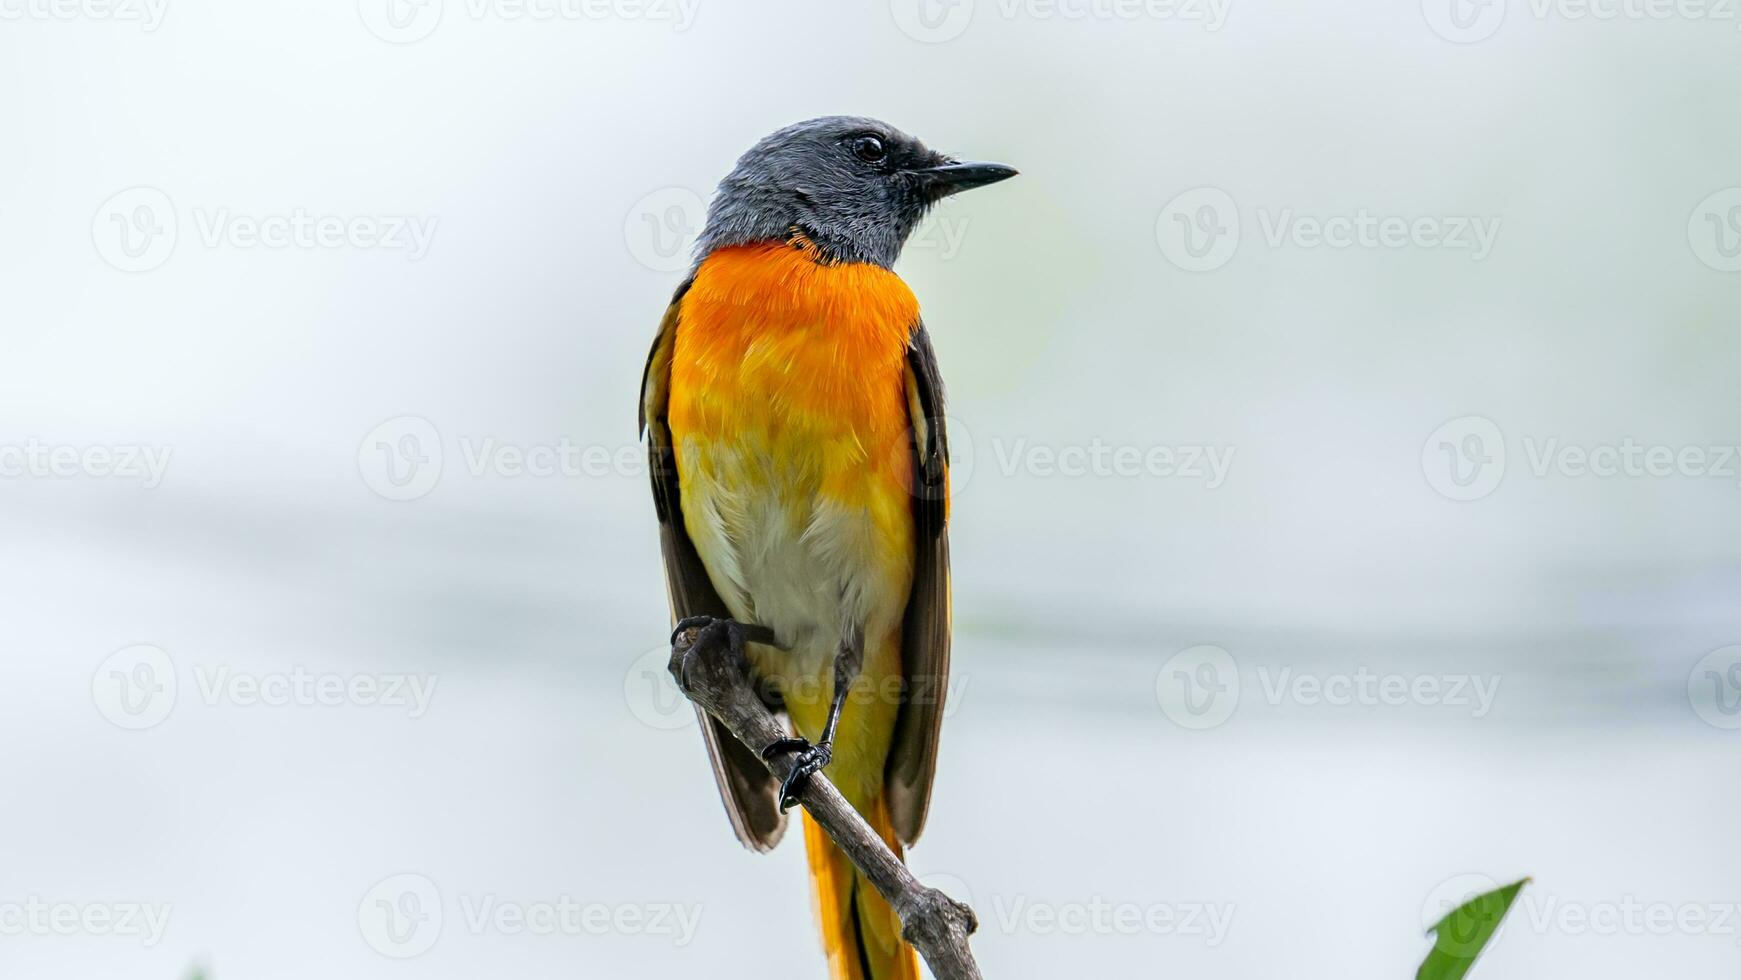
(801, 365)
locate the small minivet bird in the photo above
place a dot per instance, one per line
(793, 412)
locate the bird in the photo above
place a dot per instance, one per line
(793, 411)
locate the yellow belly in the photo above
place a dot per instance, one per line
(789, 418)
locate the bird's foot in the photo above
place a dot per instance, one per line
(751, 632)
(811, 759)
(702, 625)
(705, 643)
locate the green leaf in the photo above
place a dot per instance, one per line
(1464, 932)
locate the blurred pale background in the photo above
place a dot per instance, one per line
(1155, 280)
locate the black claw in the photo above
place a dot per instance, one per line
(782, 746)
(738, 632)
(811, 759)
(717, 644)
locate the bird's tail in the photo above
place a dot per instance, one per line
(860, 932)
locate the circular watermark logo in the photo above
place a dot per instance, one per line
(1714, 687)
(1464, 459)
(963, 456)
(400, 917)
(135, 229)
(1198, 687)
(950, 885)
(1714, 230)
(1464, 21)
(661, 229)
(400, 459)
(652, 695)
(1445, 898)
(932, 21)
(961, 462)
(135, 687)
(400, 21)
(1198, 230)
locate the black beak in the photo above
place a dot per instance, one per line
(960, 175)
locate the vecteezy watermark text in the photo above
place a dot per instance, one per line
(300, 228)
(1210, 464)
(1467, 458)
(404, 915)
(138, 686)
(148, 14)
(303, 688)
(41, 460)
(1201, 229)
(404, 458)
(35, 916)
(652, 696)
(661, 227)
(1201, 686)
(1544, 913)
(138, 229)
(564, 916)
(936, 21)
(1097, 916)
(409, 21)
(1470, 21)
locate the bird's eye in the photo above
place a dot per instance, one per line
(869, 149)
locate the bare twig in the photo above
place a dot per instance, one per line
(935, 924)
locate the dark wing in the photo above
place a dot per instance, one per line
(925, 632)
(751, 795)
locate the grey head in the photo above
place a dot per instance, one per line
(854, 187)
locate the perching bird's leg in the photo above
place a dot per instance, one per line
(710, 647)
(705, 643)
(848, 660)
(739, 632)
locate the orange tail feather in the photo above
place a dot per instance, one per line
(860, 932)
